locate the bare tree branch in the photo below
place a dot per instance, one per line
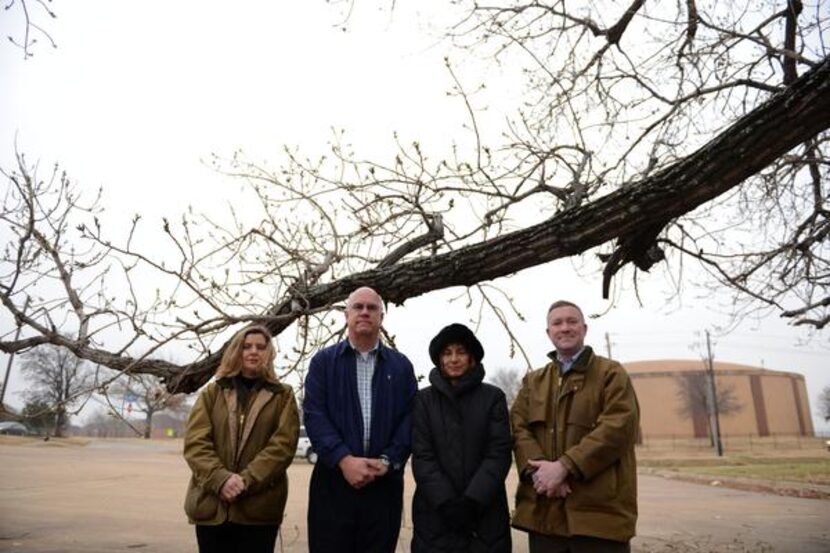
(675, 132)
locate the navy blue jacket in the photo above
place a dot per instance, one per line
(331, 405)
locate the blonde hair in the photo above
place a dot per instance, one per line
(231, 363)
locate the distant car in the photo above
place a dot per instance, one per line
(12, 428)
(304, 448)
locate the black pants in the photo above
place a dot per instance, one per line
(230, 537)
(342, 519)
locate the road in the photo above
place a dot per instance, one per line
(126, 495)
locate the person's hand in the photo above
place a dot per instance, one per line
(358, 471)
(232, 487)
(561, 491)
(548, 477)
(379, 467)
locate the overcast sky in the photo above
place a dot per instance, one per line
(137, 94)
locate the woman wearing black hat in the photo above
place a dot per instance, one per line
(461, 450)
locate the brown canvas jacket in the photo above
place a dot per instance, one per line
(589, 421)
(221, 438)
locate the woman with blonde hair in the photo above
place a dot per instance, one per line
(240, 439)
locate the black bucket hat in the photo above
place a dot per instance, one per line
(455, 334)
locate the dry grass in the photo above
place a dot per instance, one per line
(751, 446)
(787, 466)
(809, 471)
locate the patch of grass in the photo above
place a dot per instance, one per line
(734, 445)
(728, 461)
(811, 471)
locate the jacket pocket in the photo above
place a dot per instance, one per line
(597, 494)
(542, 434)
(577, 427)
(267, 506)
(200, 504)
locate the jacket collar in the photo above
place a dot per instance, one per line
(581, 363)
(240, 428)
(273, 387)
(546, 383)
(344, 347)
(468, 381)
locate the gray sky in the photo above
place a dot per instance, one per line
(137, 94)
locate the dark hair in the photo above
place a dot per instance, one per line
(455, 334)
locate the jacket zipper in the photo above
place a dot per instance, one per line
(556, 429)
(239, 441)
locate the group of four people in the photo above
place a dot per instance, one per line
(572, 429)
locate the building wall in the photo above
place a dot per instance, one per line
(782, 414)
(744, 420)
(771, 402)
(662, 416)
(800, 386)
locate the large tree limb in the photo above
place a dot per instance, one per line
(789, 118)
(769, 131)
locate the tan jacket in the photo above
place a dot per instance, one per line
(221, 439)
(589, 421)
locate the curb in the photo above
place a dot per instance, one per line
(787, 489)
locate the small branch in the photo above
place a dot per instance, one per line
(794, 8)
(434, 233)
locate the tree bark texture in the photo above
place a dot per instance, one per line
(788, 119)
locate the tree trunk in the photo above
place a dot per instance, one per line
(60, 422)
(148, 424)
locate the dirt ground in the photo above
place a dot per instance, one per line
(126, 495)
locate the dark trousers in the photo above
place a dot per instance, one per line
(539, 543)
(342, 519)
(230, 537)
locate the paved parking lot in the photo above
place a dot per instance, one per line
(126, 495)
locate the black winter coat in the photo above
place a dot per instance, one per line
(461, 446)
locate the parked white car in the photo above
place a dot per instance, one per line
(304, 448)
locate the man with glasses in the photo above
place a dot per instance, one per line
(357, 411)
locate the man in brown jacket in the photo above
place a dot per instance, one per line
(574, 424)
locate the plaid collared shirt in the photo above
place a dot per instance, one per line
(365, 370)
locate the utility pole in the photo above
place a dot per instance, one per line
(713, 395)
(608, 345)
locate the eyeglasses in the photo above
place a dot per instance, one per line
(370, 307)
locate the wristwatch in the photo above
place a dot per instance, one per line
(385, 460)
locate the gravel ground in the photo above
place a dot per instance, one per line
(126, 495)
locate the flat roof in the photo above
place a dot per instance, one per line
(686, 365)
